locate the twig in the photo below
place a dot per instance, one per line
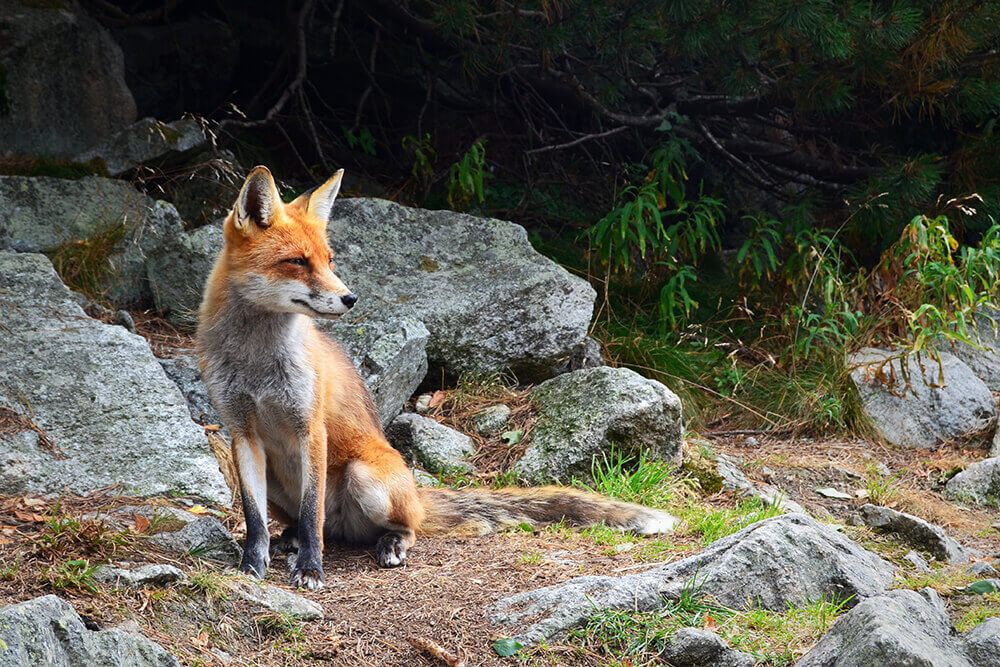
(435, 650)
(578, 141)
(294, 86)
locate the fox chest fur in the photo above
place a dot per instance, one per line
(259, 376)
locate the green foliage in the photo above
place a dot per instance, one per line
(465, 177)
(635, 479)
(75, 574)
(714, 524)
(424, 156)
(362, 139)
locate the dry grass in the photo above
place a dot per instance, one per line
(163, 337)
(457, 408)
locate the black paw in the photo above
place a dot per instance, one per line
(254, 564)
(390, 551)
(307, 572)
(288, 541)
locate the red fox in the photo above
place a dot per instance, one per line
(307, 440)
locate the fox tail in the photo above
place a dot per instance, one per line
(485, 511)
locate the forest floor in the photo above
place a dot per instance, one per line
(444, 593)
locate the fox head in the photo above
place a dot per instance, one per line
(277, 254)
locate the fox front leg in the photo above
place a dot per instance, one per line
(308, 569)
(251, 466)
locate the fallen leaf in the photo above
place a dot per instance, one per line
(982, 587)
(30, 517)
(830, 492)
(512, 437)
(437, 398)
(507, 647)
(32, 502)
(709, 621)
(198, 509)
(141, 523)
(201, 641)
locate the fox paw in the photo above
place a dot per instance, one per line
(307, 572)
(390, 551)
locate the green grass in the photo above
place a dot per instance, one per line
(212, 585)
(635, 479)
(773, 638)
(287, 633)
(74, 574)
(712, 524)
(987, 607)
(946, 580)
(882, 489)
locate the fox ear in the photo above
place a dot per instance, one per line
(321, 199)
(258, 200)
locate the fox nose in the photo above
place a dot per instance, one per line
(349, 300)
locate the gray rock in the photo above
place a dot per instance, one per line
(982, 569)
(580, 414)
(984, 360)
(735, 481)
(587, 354)
(390, 355)
(491, 420)
(48, 631)
(205, 538)
(786, 560)
(918, 561)
(147, 141)
(178, 271)
(916, 531)
(96, 391)
(63, 80)
(183, 369)
(429, 444)
(982, 643)
(995, 445)
(900, 628)
(144, 575)
(920, 414)
(276, 599)
(41, 214)
(692, 647)
(489, 300)
(978, 484)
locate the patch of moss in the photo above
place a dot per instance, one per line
(428, 265)
(41, 166)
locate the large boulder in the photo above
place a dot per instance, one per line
(581, 414)
(62, 82)
(978, 484)
(430, 444)
(390, 355)
(91, 405)
(908, 405)
(178, 272)
(982, 643)
(786, 560)
(900, 628)
(489, 300)
(91, 220)
(48, 631)
(984, 358)
(147, 142)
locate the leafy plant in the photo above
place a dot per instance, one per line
(362, 139)
(465, 177)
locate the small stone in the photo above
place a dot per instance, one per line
(693, 647)
(276, 599)
(982, 569)
(624, 547)
(918, 561)
(491, 420)
(205, 538)
(917, 531)
(423, 404)
(883, 469)
(751, 441)
(145, 575)
(430, 444)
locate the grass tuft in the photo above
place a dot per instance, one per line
(84, 265)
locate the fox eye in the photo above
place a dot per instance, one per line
(297, 261)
